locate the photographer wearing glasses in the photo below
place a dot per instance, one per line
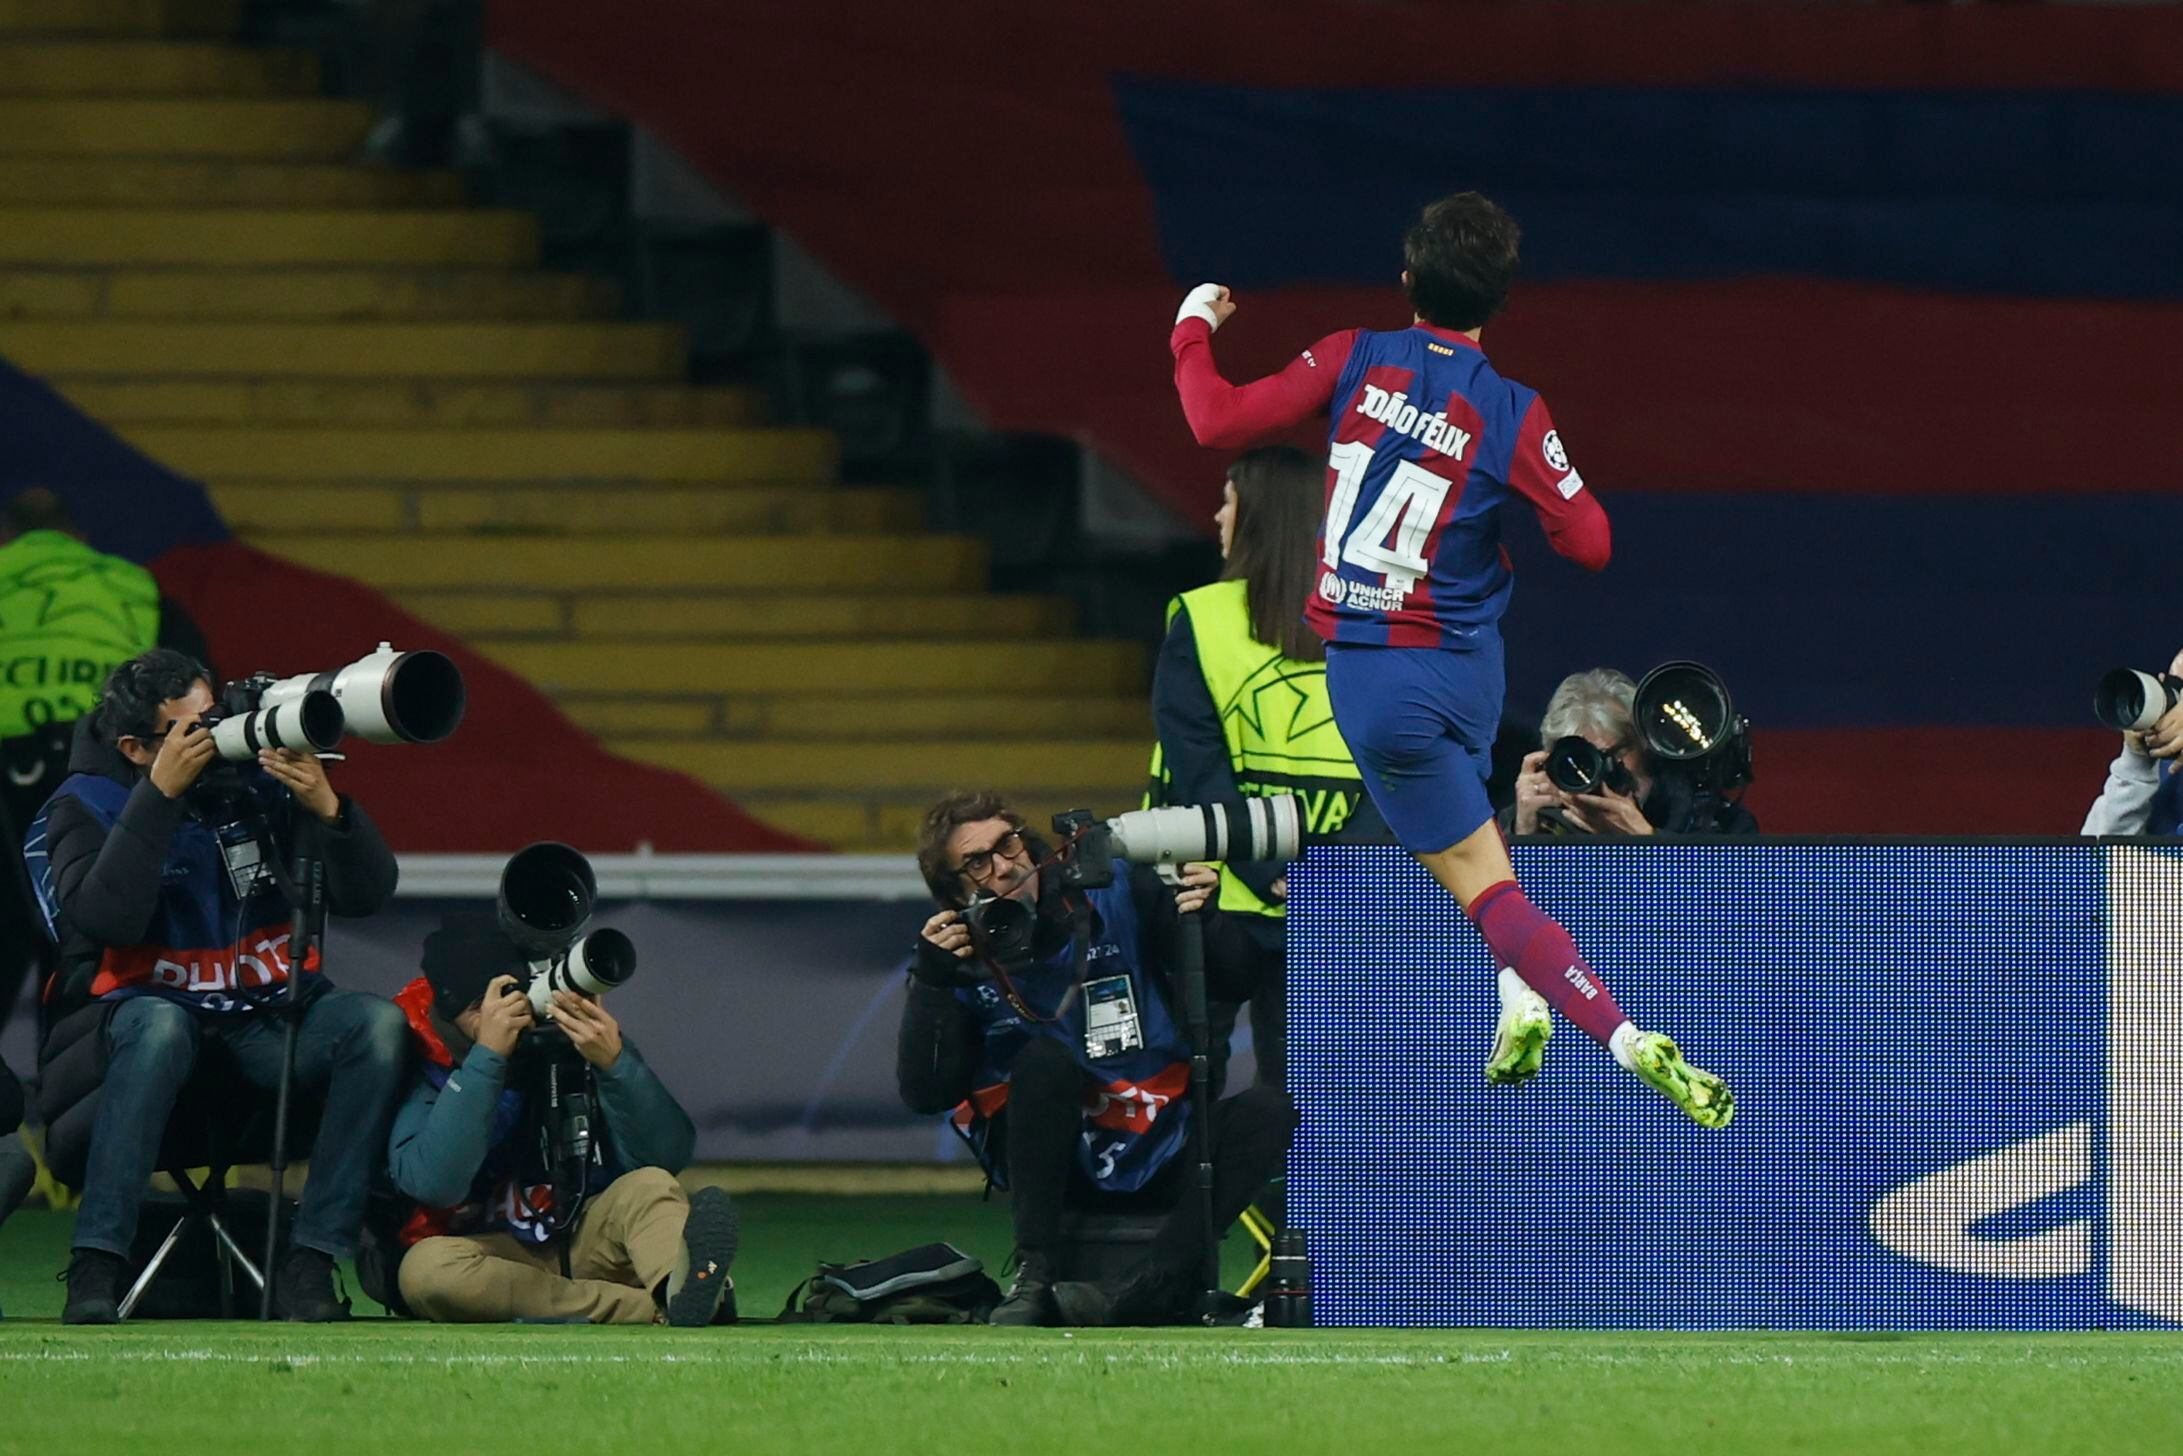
(1618, 788)
(149, 862)
(499, 1218)
(1059, 1052)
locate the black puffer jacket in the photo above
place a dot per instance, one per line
(106, 883)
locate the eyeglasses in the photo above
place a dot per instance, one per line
(977, 866)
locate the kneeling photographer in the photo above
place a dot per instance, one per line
(1046, 1017)
(1668, 757)
(535, 1158)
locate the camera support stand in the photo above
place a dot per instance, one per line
(308, 895)
(1198, 1028)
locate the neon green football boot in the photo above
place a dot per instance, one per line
(1519, 1038)
(1659, 1063)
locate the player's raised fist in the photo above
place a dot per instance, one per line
(1208, 301)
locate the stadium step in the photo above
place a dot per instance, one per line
(565, 511)
(296, 131)
(376, 380)
(967, 716)
(299, 295)
(235, 453)
(232, 237)
(122, 182)
(623, 562)
(139, 68)
(816, 767)
(176, 18)
(747, 615)
(570, 351)
(826, 667)
(434, 404)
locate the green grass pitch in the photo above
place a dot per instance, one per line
(239, 1389)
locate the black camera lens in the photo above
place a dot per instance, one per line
(1575, 765)
(1001, 929)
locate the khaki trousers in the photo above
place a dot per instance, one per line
(627, 1241)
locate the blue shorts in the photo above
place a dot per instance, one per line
(1420, 722)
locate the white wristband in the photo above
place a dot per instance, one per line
(1198, 304)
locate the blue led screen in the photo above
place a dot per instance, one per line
(1957, 1070)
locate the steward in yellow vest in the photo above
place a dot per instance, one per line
(1276, 732)
(1240, 705)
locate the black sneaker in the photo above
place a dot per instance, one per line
(700, 1281)
(1030, 1298)
(726, 1314)
(304, 1289)
(96, 1282)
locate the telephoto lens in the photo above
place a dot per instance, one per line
(2127, 700)
(1575, 765)
(1288, 1282)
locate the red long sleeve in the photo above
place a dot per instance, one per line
(1229, 417)
(1539, 470)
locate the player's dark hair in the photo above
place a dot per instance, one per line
(129, 703)
(1274, 551)
(1461, 256)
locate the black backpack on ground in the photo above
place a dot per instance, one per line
(932, 1284)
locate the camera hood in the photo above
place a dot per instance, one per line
(1684, 716)
(546, 894)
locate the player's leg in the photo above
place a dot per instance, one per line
(1420, 724)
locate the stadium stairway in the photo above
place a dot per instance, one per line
(375, 379)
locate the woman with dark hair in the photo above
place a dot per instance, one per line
(1240, 705)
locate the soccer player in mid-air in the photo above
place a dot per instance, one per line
(1426, 441)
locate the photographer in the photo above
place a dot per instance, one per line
(1059, 1116)
(1635, 798)
(148, 864)
(2144, 793)
(500, 1221)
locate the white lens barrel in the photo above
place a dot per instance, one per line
(2127, 700)
(309, 722)
(601, 961)
(1257, 829)
(389, 696)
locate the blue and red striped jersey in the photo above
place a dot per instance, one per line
(1425, 443)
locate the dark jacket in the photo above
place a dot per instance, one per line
(938, 1047)
(106, 885)
(11, 1103)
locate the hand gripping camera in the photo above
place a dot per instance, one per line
(546, 895)
(382, 697)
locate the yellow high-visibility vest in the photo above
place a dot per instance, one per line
(68, 617)
(1276, 718)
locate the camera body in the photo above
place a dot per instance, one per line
(1578, 766)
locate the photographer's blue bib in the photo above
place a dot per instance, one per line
(1135, 1060)
(2167, 811)
(206, 947)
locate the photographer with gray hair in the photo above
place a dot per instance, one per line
(1633, 796)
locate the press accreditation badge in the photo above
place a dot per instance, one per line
(245, 859)
(1111, 1026)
